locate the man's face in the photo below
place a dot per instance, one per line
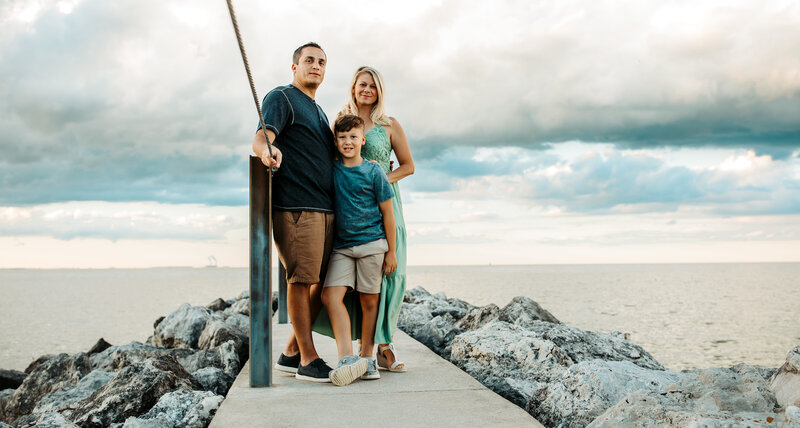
(310, 68)
(349, 143)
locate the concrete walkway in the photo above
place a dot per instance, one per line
(433, 393)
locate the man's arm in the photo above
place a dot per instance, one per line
(390, 259)
(260, 149)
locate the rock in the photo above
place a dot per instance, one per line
(478, 317)
(98, 347)
(509, 359)
(44, 420)
(224, 357)
(64, 400)
(37, 362)
(586, 345)
(522, 310)
(240, 307)
(117, 358)
(217, 305)
(239, 320)
(438, 333)
(133, 391)
(182, 327)
(793, 415)
(11, 379)
(52, 374)
(589, 388)
(716, 397)
(5, 397)
(412, 317)
(189, 409)
(214, 379)
(158, 321)
(218, 332)
(785, 383)
(5, 425)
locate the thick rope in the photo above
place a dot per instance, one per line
(249, 77)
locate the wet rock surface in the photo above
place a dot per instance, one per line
(568, 377)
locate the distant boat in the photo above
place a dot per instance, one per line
(212, 262)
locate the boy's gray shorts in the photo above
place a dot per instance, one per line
(359, 267)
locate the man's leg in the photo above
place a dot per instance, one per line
(333, 299)
(314, 294)
(299, 305)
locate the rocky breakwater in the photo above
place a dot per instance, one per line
(568, 377)
(176, 378)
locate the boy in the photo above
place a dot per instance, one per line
(363, 248)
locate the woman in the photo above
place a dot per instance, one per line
(384, 136)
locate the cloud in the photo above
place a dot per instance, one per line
(147, 101)
(116, 221)
(615, 181)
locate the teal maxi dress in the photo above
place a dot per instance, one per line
(379, 148)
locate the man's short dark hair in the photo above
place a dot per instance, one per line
(298, 51)
(347, 122)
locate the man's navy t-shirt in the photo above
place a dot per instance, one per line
(304, 182)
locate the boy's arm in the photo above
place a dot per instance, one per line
(390, 259)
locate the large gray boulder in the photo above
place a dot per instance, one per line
(589, 388)
(54, 373)
(785, 383)
(510, 360)
(718, 397)
(181, 408)
(182, 327)
(133, 391)
(64, 400)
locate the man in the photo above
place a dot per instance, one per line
(302, 200)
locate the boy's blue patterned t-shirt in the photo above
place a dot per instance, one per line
(357, 192)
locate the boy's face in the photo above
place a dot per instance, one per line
(349, 143)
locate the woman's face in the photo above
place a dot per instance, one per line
(365, 91)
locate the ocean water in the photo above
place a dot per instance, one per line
(685, 315)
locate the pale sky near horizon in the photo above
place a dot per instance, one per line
(542, 132)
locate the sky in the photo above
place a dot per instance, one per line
(542, 132)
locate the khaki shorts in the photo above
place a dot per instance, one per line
(304, 240)
(359, 267)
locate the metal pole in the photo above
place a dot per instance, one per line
(260, 274)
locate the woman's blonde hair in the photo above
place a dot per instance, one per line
(377, 115)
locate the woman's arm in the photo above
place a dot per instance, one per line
(402, 151)
(390, 258)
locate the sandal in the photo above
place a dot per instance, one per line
(383, 362)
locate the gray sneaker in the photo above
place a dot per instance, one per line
(372, 372)
(349, 369)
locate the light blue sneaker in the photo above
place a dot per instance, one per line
(349, 369)
(372, 372)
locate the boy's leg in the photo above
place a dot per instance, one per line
(369, 308)
(368, 279)
(333, 299)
